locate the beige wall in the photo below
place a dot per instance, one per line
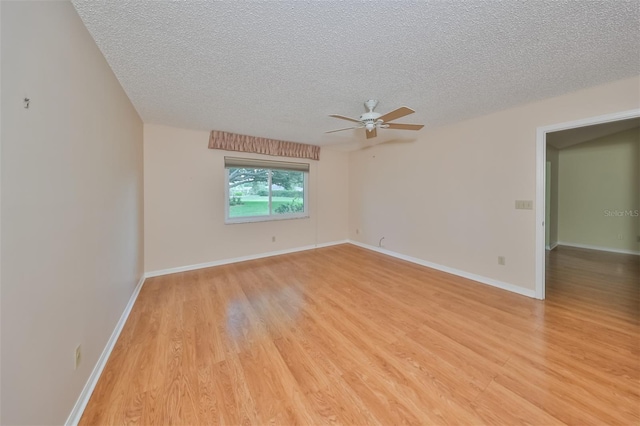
(598, 178)
(185, 202)
(71, 208)
(552, 226)
(448, 197)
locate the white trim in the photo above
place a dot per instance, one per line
(270, 218)
(541, 147)
(484, 280)
(541, 177)
(332, 243)
(83, 399)
(552, 246)
(177, 269)
(599, 248)
(447, 269)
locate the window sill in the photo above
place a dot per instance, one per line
(253, 219)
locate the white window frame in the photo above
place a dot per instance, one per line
(271, 216)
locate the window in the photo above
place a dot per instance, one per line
(259, 190)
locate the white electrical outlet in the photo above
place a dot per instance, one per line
(501, 260)
(78, 357)
(620, 237)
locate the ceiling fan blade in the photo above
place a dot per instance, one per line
(340, 130)
(404, 126)
(396, 113)
(371, 134)
(344, 118)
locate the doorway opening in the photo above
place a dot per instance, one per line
(544, 172)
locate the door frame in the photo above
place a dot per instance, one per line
(541, 161)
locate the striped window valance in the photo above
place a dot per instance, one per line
(243, 143)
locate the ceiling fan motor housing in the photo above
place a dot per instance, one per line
(370, 117)
(370, 120)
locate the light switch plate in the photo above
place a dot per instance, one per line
(524, 204)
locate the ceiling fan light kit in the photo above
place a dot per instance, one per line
(371, 120)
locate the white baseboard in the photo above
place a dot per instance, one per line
(331, 243)
(238, 259)
(458, 272)
(83, 399)
(599, 248)
(484, 280)
(552, 246)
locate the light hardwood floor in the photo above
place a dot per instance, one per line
(346, 335)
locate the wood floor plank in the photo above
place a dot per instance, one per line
(343, 335)
(578, 391)
(506, 412)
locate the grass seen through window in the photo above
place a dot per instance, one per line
(249, 191)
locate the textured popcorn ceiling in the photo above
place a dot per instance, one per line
(277, 69)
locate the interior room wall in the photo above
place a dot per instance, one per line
(552, 226)
(185, 203)
(72, 202)
(448, 195)
(599, 192)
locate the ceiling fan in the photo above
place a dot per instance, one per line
(372, 121)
